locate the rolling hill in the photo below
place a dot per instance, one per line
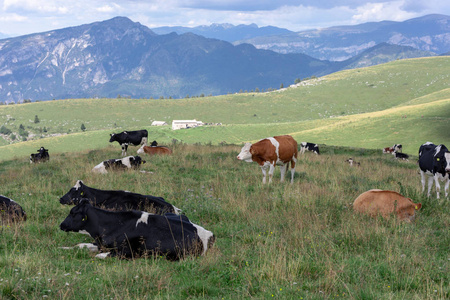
(406, 101)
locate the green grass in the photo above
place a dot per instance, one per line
(273, 241)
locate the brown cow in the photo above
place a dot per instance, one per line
(152, 150)
(378, 202)
(271, 151)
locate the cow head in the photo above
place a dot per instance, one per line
(408, 212)
(77, 219)
(113, 137)
(136, 161)
(245, 153)
(74, 195)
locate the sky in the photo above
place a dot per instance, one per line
(20, 17)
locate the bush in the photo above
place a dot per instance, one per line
(4, 130)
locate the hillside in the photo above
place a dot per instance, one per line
(406, 101)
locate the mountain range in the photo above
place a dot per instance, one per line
(122, 58)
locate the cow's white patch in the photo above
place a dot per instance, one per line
(102, 255)
(141, 150)
(78, 184)
(204, 236)
(245, 154)
(438, 149)
(126, 161)
(84, 232)
(143, 218)
(447, 158)
(91, 247)
(100, 168)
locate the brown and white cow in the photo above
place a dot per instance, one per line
(271, 151)
(380, 202)
(154, 150)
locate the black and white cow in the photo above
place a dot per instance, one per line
(117, 199)
(10, 210)
(125, 138)
(309, 146)
(400, 155)
(434, 161)
(132, 234)
(129, 162)
(41, 156)
(398, 147)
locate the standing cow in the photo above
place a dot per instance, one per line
(125, 138)
(434, 161)
(271, 151)
(310, 147)
(135, 233)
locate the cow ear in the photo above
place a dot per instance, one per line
(418, 206)
(84, 218)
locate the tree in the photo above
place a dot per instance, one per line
(83, 128)
(36, 119)
(281, 86)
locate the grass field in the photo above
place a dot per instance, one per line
(300, 241)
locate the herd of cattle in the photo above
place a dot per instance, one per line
(127, 224)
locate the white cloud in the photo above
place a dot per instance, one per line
(372, 12)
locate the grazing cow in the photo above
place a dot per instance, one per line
(125, 138)
(152, 150)
(309, 146)
(117, 200)
(271, 151)
(11, 210)
(129, 162)
(352, 163)
(378, 202)
(131, 234)
(399, 155)
(41, 156)
(434, 161)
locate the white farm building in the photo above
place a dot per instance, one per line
(181, 124)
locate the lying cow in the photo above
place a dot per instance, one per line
(434, 162)
(388, 150)
(271, 151)
(131, 234)
(129, 162)
(378, 202)
(352, 163)
(154, 150)
(41, 156)
(11, 210)
(125, 138)
(398, 147)
(399, 155)
(117, 199)
(310, 147)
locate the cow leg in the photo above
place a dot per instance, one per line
(271, 170)
(283, 169)
(438, 185)
(263, 169)
(124, 149)
(293, 161)
(447, 185)
(430, 185)
(423, 180)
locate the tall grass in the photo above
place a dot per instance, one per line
(280, 240)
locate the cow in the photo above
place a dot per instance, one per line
(11, 211)
(434, 162)
(400, 155)
(271, 151)
(382, 202)
(117, 199)
(132, 234)
(129, 162)
(310, 147)
(152, 150)
(41, 156)
(154, 144)
(352, 163)
(125, 138)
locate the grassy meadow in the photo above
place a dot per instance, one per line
(300, 241)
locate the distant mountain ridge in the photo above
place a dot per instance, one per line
(121, 58)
